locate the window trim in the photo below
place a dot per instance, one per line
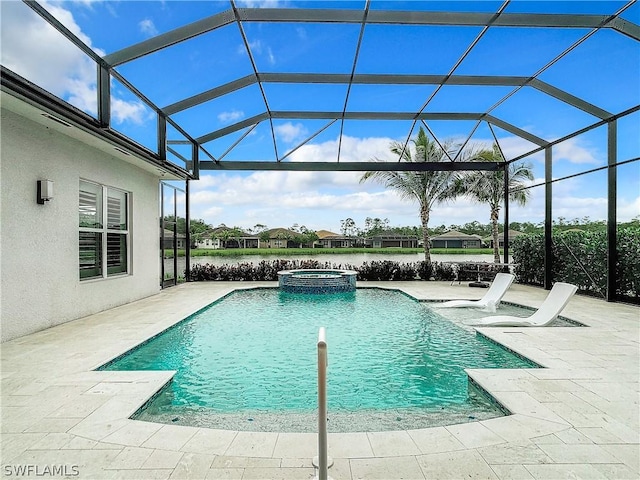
(105, 231)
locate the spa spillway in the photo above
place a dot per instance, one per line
(317, 281)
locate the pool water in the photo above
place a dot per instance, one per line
(249, 362)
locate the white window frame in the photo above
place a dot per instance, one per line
(104, 231)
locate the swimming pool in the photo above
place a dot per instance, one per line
(248, 362)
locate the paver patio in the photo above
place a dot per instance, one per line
(577, 418)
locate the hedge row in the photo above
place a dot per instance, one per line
(580, 258)
(268, 271)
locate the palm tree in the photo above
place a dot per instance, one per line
(223, 234)
(428, 188)
(488, 187)
(264, 237)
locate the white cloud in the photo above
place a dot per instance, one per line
(110, 8)
(573, 152)
(35, 50)
(352, 150)
(257, 49)
(513, 147)
(572, 198)
(213, 212)
(205, 181)
(87, 3)
(288, 132)
(231, 116)
(628, 209)
(82, 95)
(147, 27)
(134, 112)
(261, 3)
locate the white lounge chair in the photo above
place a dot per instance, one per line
(555, 302)
(491, 299)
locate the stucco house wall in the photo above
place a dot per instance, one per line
(39, 251)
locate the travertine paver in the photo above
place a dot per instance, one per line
(296, 445)
(386, 467)
(576, 418)
(192, 466)
(226, 461)
(255, 444)
(133, 433)
(349, 445)
(277, 473)
(392, 444)
(513, 453)
(435, 440)
(163, 459)
(209, 442)
(512, 472)
(224, 474)
(568, 471)
(172, 437)
(455, 465)
(475, 434)
(131, 458)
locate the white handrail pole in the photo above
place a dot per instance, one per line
(323, 467)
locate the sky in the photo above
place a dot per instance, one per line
(604, 70)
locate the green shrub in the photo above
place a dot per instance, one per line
(443, 271)
(628, 267)
(580, 258)
(369, 271)
(424, 270)
(377, 271)
(528, 255)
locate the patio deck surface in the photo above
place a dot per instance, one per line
(577, 418)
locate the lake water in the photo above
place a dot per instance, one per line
(354, 259)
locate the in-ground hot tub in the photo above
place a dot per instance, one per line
(317, 281)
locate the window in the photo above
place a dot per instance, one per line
(103, 231)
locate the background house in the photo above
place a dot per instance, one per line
(390, 239)
(166, 238)
(280, 238)
(208, 241)
(227, 237)
(454, 239)
(329, 239)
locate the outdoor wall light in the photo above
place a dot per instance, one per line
(44, 191)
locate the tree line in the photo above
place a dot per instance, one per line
(376, 226)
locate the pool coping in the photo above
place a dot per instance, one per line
(548, 405)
